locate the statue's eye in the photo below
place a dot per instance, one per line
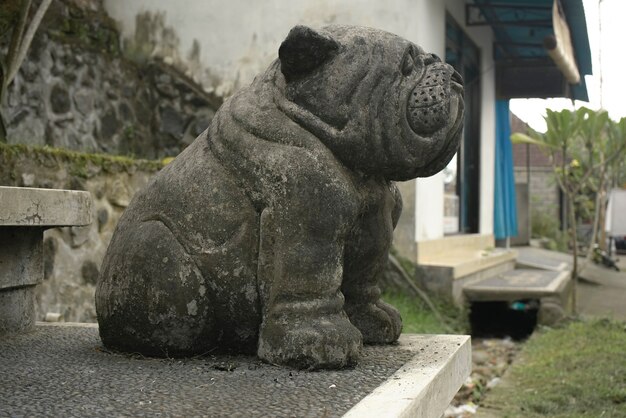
(431, 58)
(407, 64)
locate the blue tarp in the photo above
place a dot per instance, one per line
(505, 209)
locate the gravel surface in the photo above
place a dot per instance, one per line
(490, 359)
(65, 371)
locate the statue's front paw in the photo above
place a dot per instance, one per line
(380, 323)
(327, 342)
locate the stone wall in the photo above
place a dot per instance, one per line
(75, 90)
(544, 192)
(72, 256)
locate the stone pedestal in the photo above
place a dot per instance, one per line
(426, 384)
(24, 214)
(418, 377)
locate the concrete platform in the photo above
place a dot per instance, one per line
(65, 371)
(518, 284)
(537, 258)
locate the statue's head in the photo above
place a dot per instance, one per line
(379, 102)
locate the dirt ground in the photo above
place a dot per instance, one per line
(603, 292)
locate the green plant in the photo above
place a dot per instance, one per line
(545, 226)
(418, 318)
(584, 148)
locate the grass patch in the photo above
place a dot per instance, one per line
(417, 318)
(578, 370)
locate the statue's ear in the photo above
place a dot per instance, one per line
(304, 50)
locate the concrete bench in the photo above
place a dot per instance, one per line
(24, 215)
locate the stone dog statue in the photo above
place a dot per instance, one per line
(268, 234)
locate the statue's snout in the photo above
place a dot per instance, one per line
(428, 107)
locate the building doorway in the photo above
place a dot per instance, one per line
(462, 176)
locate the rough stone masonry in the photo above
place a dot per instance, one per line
(269, 233)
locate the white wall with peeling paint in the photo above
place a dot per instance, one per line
(239, 38)
(236, 40)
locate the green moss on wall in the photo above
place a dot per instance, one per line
(9, 11)
(83, 165)
(93, 30)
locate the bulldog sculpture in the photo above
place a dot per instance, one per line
(269, 233)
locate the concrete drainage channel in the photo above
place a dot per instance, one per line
(513, 303)
(498, 330)
(506, 308)
(501, 319)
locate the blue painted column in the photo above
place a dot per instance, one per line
(505, 209)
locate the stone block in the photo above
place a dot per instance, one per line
(44, 207)
(21, 257)
(17, 309)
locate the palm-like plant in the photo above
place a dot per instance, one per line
(585, 148)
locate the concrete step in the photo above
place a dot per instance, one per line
(450, 276)
(462, 265)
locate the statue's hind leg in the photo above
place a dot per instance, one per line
(151, 297)
(366, 256)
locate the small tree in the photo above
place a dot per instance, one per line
(584, 148)
(21, 37)
(607, 141)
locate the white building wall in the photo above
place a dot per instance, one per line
(488, 146)
(429, 192)
(238, 39)
(223, 45)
